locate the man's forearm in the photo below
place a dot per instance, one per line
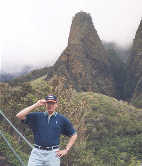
(71, 141)
(24, 112)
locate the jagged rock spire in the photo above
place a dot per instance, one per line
(81, 26)
(84, 62)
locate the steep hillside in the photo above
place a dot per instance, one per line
(134, 69)
(137, 95)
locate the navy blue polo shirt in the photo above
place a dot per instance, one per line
(47, 132)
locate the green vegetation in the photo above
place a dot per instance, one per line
(109, 131)
(7, 152)
(137, 96)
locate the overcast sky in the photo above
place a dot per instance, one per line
(36, 31)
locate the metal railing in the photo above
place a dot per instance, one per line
(12, 149)
(18, 132)
(7, 142)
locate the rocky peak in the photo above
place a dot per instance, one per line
(81, 26)
(83, 33)
(84, 62)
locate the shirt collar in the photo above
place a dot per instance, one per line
(53, 114)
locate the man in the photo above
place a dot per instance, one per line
(47, 127)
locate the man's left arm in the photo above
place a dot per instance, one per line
(72, 140)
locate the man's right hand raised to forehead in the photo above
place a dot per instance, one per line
(41, 102)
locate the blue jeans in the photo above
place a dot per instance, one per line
(40, 157)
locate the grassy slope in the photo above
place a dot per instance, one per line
(113, 129)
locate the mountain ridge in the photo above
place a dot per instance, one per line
(88, 66)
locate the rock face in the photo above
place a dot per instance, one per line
(84, 63)
(133, 86)
(134, 76)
